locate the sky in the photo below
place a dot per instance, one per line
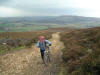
(22, 8)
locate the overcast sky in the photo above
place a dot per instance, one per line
(16, 8)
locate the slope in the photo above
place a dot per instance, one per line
(28, 61)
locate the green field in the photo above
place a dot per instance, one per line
(15, 28)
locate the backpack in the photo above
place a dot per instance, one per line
(42, 44)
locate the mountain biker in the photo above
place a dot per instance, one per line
(42, 44)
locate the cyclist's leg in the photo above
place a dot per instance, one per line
(42, 54)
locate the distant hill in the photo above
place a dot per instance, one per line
(68, 19)
(51, 19)
(49, 22)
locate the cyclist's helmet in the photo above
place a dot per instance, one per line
(42, 37)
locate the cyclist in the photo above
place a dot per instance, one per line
(42, 44)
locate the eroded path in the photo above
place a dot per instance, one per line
(28, 61)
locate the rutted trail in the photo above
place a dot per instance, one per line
(28, 61)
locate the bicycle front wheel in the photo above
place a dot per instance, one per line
(46, 58)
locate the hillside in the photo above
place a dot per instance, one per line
(81, 54)
(28, 61)
(44, 22)
(12, 41)
(73, 52)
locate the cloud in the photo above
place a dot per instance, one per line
(50, 7)
(4, 2)
(12, 12)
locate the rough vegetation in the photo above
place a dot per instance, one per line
(28, 61)
(12, 40)
(81, 55)
(82, 51)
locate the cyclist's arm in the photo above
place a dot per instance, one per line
(38, 44)
(48, 42)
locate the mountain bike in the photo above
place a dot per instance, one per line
(47, 56)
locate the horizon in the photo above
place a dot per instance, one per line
(50, 16)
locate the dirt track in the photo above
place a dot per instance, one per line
(28, 61)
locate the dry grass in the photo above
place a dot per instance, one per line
(28, 61)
